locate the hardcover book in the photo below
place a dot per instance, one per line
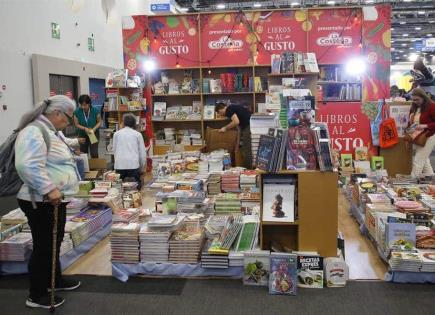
(278, 202)
(283, 274)
(310, 271)
(209, 112)
(400, 234)
(361, 154)
(159, 110)
(346, 160)
(301, 151)
(256, 267)
(377, 163)
(265, 152)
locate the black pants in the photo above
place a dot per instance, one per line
(134, 173)
(41, 224)
(94, 148)
(246, 148)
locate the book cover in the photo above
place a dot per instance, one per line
(301, 151)
(310, 271)
(361, 154)
(400, 234)
(209, 112)
(265, 152)
(377, 163)
(275, 63)
(278, 202)
(256, 266)
(346, 160)
(300, 110)
(283, 274)
(159, 109)
(164, 169)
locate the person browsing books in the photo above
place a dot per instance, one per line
(87, 120)
(50, 177)
(240, 118)
(422, 116)
(129, 149)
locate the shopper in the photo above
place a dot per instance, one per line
(49, 178)
(422, 113)
(129, 149)
(240, 117)
(87, 120)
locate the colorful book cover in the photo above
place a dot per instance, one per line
(301, 151)
(310, 271)
(283, 274)
(209, 112)
(159, 109)
(256, 267)
(400, 234)
(300, 110)
(278, 202)
(377, 163)
(265, 152)
(361, 154)
(346, 160)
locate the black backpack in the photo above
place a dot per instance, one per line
(10, 182)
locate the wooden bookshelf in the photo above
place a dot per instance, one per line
(290, 74)
(317, 224)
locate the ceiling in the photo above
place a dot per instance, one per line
(412, 20)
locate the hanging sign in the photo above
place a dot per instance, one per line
(280, 31)
(174, 39)
(226, 40)
(160, 7)
(335, 35)
(348, 126)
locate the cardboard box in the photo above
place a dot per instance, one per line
(97, 164)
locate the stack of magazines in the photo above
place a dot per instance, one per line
(124, 242)
(16, 248)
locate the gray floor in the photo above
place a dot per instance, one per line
(105, 295)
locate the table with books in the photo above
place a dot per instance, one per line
(398, 217)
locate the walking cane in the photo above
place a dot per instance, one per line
(53, 257)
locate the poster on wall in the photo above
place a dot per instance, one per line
(400, 114)
(225, 40)
(335, 35)
(279, 31)
(174, 41)
(348, 126)
(376, 29)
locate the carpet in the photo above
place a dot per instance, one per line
(7, 204)
(105, 295)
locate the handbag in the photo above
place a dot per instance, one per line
(416, 137)
(388, 135)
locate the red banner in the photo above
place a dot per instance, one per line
(280, 31)
(377, 43)
(348, 126)
(334, 35)
(174, 40)
(226, 40)
(135, 42)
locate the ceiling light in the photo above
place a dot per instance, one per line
(421, 12)
(403, 44)
(257, 5)
(293, 4)
(405, 35)
(392, 41)
(401, 51)
(221, 6)
(431, 21)
(331, 2)
(402, 23)
(418, 28)
(370, 1)
(407, 0)
(183, 9)
(392, 28)
(429, 35)
(413, 57)
(411, 48)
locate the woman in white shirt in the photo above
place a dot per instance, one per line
(129, 149)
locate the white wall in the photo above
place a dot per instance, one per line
(26, 29)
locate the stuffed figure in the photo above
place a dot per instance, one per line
(277, 207)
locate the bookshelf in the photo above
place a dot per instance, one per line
(335, 85)
(316, 227)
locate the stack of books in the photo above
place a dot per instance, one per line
(124, 242)
(67, 244)
(405, 261)
(215, 165)
(99, 192)
(16, 248)
(76, 205)
(231, 181)
(248, 180)
(13, 218)
(154, 245)
(189, 201)
(260, 124)
(235, 259)
(126, 215)
(428, 260)
(227, 203)
(215, 261)
(209, 207)
(214, 183)
(185, 245)
(165, 222)
(231, 231)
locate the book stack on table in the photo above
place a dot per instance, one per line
(124, 242)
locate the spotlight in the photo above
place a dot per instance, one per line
(355, 66)
(149, 65)
(221, 6)
(257, 5)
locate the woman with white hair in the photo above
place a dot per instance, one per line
(49, 173)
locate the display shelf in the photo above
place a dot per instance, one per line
(173, 94)
(279, 223)
(176, 120)
(337, 82)
(339, 101)
(231, 93)
(292, 74)
(163, 149)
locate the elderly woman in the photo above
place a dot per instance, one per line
(47, 168)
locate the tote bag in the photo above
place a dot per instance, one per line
(375, 124)
(388, 135)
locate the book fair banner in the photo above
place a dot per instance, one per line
(334, 35)
(174, 40)
(348, 126)
(225, 40)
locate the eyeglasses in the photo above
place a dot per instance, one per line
(70, 118)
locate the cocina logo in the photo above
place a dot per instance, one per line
(226, 43)
(334, 39)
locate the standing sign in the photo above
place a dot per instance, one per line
(174, 39)
(280, 31)
(348, 126)
(226, 40)
(334, 35)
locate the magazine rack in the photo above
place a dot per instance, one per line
(315, 228)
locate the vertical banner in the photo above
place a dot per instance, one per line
(279, 31)
(376, 43)
(225, 40)
(174, 40)
(335, 35)
(135, 42)
(348, 126)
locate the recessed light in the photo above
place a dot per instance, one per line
(220, 6)
(403, 44)
(407, 0)
(257, 5)
(418, 28)
(183, 9)
(405, 35)
(293, 4)
(370, 1)
(421, 12)
(411, 48)
(392, 41)
(331, 2)
(402, 23)
(401, 51)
